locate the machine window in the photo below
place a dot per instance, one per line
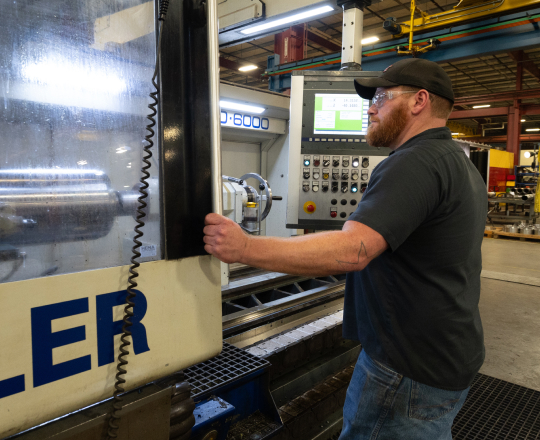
(73, 115)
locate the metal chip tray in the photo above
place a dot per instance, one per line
(232, 364)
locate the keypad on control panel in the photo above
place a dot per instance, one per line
(332, 176)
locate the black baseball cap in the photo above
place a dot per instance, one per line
(415, 72)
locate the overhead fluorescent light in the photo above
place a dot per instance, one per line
(248, 68)
(82, 162)
(482, 106)
(241, 107)
(290, 19)
(523, 120)
(457, 134)
(533, 129)
(370, 40)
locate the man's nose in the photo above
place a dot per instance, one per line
(372, 110)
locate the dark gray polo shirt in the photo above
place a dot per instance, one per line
(415, 307)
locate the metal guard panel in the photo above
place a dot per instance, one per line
(182, 324)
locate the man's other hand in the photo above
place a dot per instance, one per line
(224, 238)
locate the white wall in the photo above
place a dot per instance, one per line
(277, 169)
(239, 158)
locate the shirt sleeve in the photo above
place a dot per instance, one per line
(404, 190)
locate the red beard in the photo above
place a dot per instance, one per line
(388, 131)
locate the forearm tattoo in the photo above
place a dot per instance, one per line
(362, 249)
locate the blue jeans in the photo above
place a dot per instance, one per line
(383, 405)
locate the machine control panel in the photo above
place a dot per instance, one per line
(337, 190)
(330, 159)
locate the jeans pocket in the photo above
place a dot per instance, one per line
(429, 403)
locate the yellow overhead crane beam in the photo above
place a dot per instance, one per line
(464, 11)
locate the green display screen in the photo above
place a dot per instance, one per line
(340, 114)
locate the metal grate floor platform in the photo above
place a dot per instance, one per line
(498, 410)
(230, 365)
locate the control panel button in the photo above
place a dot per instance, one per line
(345, 160)
(335, 161)
(343, 201)
(344, 187)
(343, 214)
(333, 202)
(305, 186)
(316, 173)
(335, 174)
(316, 161)
(365, 175)
(333, 212)
(315, 186)
(363, 187)
(353, 202)
(307, 161)
(306, 173)
(344, 174)
(365, 162)
(326, 161)
(355, 175)
(335, 187)
(355, 162)
(310, 207)
(325, 187)
(354, 188)
(325, 173)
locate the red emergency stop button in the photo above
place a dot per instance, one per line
(310, 206)
(333, 213)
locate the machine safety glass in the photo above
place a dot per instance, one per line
(380, 98)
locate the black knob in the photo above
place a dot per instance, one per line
(343, 215)
(333, 201)
(277, 198)
(343, 201)
(261, 187)
(353, 202)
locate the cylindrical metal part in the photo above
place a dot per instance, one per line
(215, 112)
(251, 216)
(527, 197)
(58, 205)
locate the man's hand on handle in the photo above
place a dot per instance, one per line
(224, 238)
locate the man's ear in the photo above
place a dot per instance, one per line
(419, 102)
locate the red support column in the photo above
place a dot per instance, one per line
(514, 114)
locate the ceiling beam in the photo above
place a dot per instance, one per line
(479, 113)
(521, 57)
(498, 97)
(501, 139)
(234, 66)
(530, 110)
(317, 39)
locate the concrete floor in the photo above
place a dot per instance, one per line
(510, 310)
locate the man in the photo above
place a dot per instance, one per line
(412, 253)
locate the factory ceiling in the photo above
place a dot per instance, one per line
(493, 73)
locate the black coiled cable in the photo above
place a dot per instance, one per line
(163, 6)
(132, 284)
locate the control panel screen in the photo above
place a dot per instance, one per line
(342, 114)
